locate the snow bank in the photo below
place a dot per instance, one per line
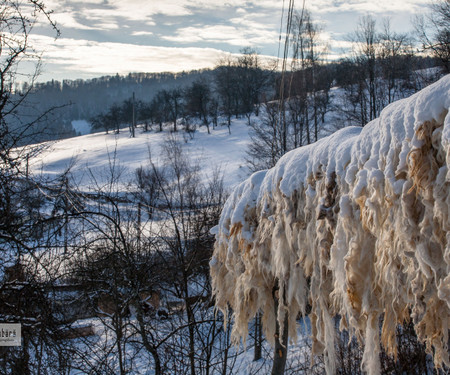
(355, 225)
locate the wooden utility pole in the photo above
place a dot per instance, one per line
(133, 122)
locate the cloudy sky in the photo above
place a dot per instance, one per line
(104, 37)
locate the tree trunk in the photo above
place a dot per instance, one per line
(281, 343)
(258, 337)
(117, 322)
(149, 346)
(191, 322)
(308, 131)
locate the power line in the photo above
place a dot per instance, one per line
(281, 112)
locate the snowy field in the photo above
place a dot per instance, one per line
(91, 158)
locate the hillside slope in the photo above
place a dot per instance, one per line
(92, 158)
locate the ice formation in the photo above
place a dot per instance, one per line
(356, 225)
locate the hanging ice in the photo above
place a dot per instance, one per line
(363, 215)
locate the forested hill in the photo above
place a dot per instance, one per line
(83, 99)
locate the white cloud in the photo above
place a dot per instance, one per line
(141, 33)
(95, 58)
(256, 23)
(108, 26)
(222, 4)
(67, 20)
(335, 41)
(233, 35)
(367, 6)
(139, 9)
(80, 19)
(209, 23)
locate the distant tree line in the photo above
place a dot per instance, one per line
(235, 88)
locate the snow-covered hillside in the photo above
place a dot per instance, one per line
(91, 157)
(363, 215)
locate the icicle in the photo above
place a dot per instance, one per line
(364, 215)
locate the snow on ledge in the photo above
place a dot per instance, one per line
(363, 215)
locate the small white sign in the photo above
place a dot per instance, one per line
(10, 334)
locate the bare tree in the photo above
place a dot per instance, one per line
(434, 32)
(22, 219)
(296, 119)
(197, 98)
(252, 79)
(366, 44)
(396, 65)
(225, 81)
(191, 209)
(308, 52)
(267, 144)
(174, 101)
